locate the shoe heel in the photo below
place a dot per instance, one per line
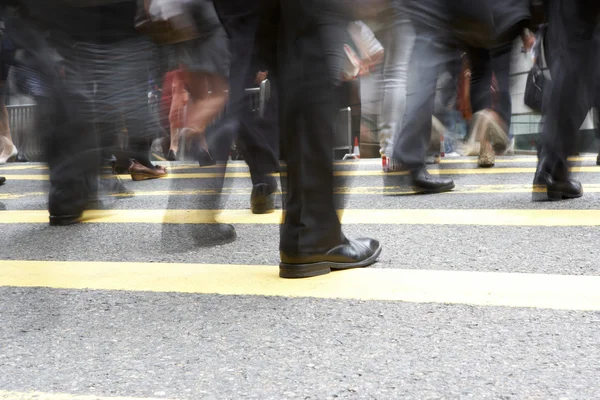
(140, 177)
(541, 193)
(294, 271)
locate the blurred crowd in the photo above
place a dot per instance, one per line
(111, 77)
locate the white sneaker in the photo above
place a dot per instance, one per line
(9, 157)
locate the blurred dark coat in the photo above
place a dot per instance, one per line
(479, 23)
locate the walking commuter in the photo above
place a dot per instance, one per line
(442, 27)
(8, 150)
(572, 51)
(303, 41)
(398, 39)
(47, 32)
(257, 134)
(492, 119)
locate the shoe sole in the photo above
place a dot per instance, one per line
(410, 189)
(65, 220)
(487, 165)
(145, 177)
(295, 271)
(441, 189)
(264, 206)
(552, 196)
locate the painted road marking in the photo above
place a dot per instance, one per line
(562, 292)
(369, 161)
(358, 190)
(212, 175)
(478, 217)
(7, 395)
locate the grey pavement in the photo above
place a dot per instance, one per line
(199, 346)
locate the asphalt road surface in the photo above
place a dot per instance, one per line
(479, 293)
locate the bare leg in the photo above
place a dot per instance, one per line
(176, 117)
(8, 147)
(203, 107)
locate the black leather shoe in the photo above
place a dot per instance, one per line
(545, 187)
(171, 156)
(210, 235)
(354, 254)
(598, 160)
(262, 200)
(65, 220)
(2, 180)
(425, 183)
(204, 158)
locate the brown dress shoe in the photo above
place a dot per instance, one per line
(140, 172)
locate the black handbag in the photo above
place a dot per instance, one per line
(536, 79)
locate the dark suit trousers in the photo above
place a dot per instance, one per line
(572, 52)
(431, 53)
(258, 136)
(309, 111)
(484, 63)
(64, 119)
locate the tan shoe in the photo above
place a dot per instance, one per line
(487, 157)
(490, 131)
(140, 172)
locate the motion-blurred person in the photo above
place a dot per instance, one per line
(9, 150)
(304, 41)
(442, 27)
(119, 65)
(203, 65)
(172, 111)
(492, 119)
(47, 32)
(257, 134)
(398, 39)
(571, 48)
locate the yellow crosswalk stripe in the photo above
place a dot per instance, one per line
(358, 190)
(433, 171)
(362, 162)
(10, 395)
(563, 292)
(491, 217)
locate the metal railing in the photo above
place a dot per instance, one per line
(22, 120)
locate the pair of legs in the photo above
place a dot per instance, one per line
(572, 43)
(207, 97)
(492, 110)
(431, 53)
(398, 44)
(204, 94)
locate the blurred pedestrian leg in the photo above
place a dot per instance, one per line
(304, 41)
(398, 45)
(572, 51)
(431, 52)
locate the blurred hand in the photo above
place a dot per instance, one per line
(528, 41)
(261, 76)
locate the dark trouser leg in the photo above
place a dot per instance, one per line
(572, 54)
(481, 79)
(73, 158)
(413, 138)
(259, 138)
(311, 224)
(501, 67)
